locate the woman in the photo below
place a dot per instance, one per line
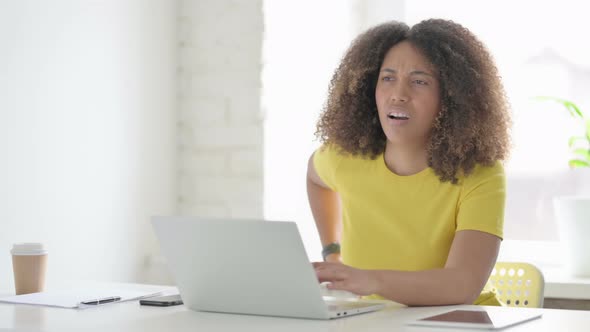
(409, 181)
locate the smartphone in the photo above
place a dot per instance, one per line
(162, 301)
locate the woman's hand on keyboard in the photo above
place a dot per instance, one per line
(347, 278)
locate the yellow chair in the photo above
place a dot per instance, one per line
(518, 284)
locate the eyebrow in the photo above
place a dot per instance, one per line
(414, 72)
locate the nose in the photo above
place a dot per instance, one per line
(399, 93)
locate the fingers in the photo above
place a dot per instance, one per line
(344, 278)
(337, 285)
(326, 267)
(339, 277)
(330, 271)
(325, 264)
(327, 275)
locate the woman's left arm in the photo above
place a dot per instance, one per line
(471, 259)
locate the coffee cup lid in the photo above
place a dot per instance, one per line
(28, 249)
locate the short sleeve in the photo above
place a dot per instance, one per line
(483, 199)
(326, 160)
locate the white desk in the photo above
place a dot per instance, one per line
(130, 316)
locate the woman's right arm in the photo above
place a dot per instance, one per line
(326, 209)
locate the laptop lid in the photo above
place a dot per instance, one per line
(241, 266)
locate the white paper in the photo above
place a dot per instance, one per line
(72, 298)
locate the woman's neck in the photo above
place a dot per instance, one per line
(405, 160)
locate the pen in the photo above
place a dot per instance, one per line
(102, 301)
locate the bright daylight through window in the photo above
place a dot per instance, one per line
(541, 56)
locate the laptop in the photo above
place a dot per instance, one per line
(252, 267)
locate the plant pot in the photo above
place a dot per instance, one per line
(582, 176)
(573, 221)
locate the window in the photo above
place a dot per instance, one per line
(304, 41)
(539, 54)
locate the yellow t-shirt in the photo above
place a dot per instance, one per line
(408, 223)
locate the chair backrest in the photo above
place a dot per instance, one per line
(518, 284)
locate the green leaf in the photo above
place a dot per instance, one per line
(588, 129)
(572, 108)
(584, 153)
(550, 98)
(573, 140)
(578, 163)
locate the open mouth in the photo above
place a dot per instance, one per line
(398, 116)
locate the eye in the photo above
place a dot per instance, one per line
(387, 78)
(420, 82)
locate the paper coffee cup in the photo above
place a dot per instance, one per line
(29, 262)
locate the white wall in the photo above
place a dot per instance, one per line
(87, 115)
(220, 120)
(365, 14)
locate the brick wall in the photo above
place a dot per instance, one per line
(220, 121)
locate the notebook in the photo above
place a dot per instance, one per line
(248, 267)
(86, 297)
(487, 318)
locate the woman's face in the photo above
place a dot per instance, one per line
(407, 96)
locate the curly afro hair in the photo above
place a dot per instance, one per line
(472, 126)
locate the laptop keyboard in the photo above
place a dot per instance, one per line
(345, 305)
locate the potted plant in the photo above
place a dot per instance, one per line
(573, 212)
